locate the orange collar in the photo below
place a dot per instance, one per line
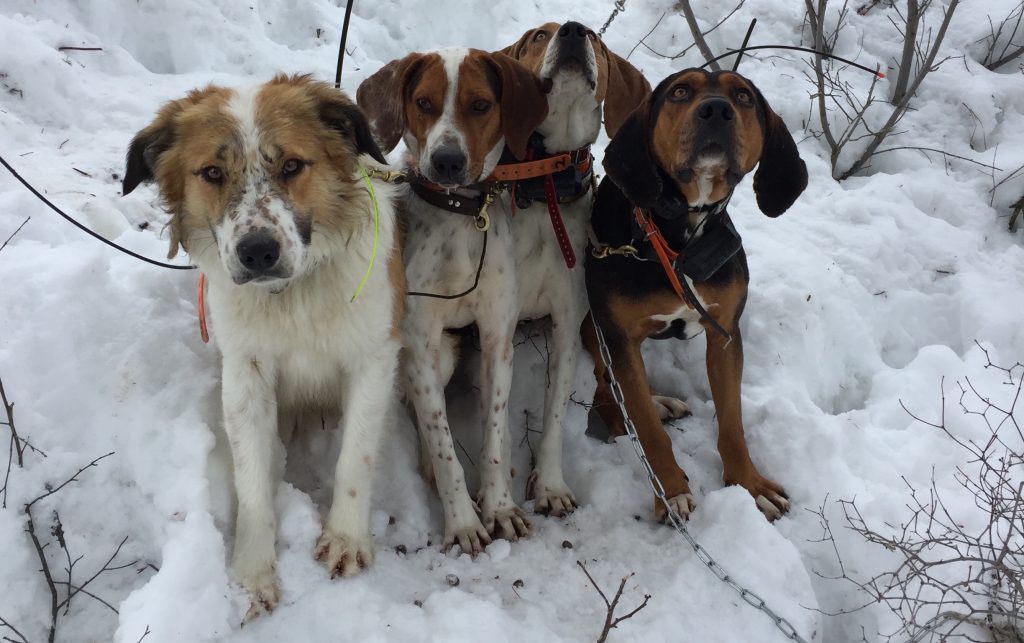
(203, 331)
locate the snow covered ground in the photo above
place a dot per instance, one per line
(865, 294)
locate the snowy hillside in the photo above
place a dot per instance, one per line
(867, 294)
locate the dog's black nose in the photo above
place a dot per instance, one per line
(449, 163)
(715, 111)
(258, 251)
(572, 31)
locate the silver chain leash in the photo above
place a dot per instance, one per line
(702, 554)
(620, 5)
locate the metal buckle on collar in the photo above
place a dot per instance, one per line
(603, 251)
(388, 176)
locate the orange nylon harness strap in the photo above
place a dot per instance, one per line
(203, 330)
(666, 255)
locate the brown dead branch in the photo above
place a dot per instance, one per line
(30, 529)
(698, 37)
(610, 621)
(8, 240)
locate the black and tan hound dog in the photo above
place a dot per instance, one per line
(671, 169)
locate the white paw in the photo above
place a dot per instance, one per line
(773, 505)
(263, 588)
(683, 504)
(670, 408)
(553, 498)
(470, 536)
(344, 554)
(505, 520)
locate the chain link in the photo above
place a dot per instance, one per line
(702, 554)
(620, 5)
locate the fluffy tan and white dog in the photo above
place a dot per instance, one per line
(267, 197)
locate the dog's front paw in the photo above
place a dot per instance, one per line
(552, 497)
(344, 554)
(470, 536)
(683, 504)
(670, 408)
(263, 588)
(769, 495)
(506, 521)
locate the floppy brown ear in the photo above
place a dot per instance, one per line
(382, 98)
(515, 50)
(781, 174)
(341, 114)
(626, 88)
(524, 105)
(629, 162)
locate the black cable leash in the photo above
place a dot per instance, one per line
(341, 47)
(85, 229)
(741, 50)
(476, 280)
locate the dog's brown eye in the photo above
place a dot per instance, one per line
(679, 92)
(541, 36)
(212, 174)
(292, 167)
(425, 105)
(744, 97)
(481, 106)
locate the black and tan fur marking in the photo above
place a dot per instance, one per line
(692, 140)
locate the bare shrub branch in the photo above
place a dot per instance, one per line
(958, 574)
(685, 50)
(8, 240)
(30, 529)
(832, 94)
(698, 37)
(610, 621)
(1005, 42)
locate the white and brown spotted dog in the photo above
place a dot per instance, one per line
(583, 79)
(457, 109)
(267, 198)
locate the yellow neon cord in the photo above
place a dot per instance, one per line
(376, 231)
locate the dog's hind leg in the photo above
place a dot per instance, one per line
(250, 421)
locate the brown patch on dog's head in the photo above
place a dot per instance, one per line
(457, 106)
(703, 131)
(552, 48)
(255, 172)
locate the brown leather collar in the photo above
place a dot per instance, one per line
(435, 195)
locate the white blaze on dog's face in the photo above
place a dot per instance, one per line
(456, 109)
(581, 76)
(254, 173)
